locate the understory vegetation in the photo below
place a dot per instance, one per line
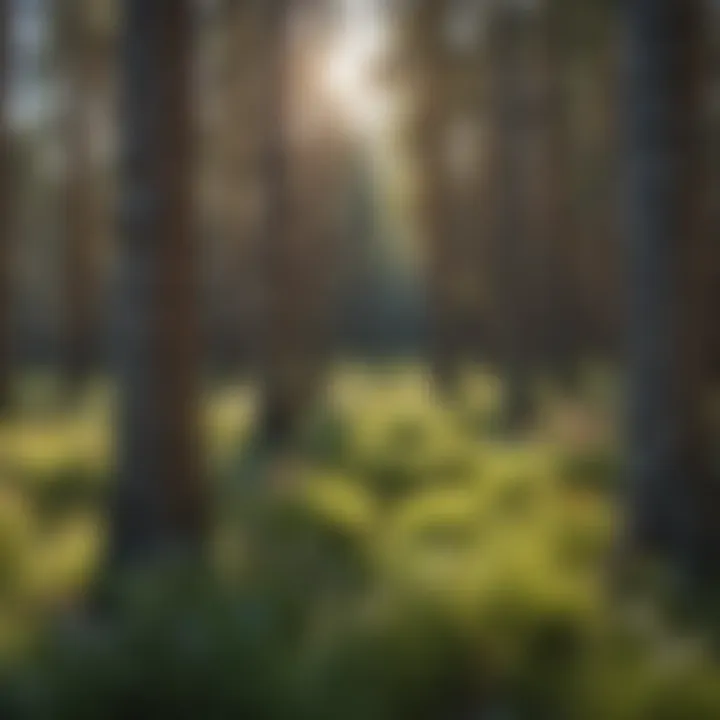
(402, 561)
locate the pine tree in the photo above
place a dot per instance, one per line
(160, 501)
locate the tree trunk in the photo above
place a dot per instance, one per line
(6, 230)
(237, 160)
(561, 325)
(438, 231)
(80, 229)
(605, 287)
(305, 172)
(674, 499)
(509, 108)
(280, 404)
(161, 501)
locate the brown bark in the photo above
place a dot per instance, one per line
(607, 293)
(700, 531)
(236, 187)
(280, 400)
(161, 500)
(675, 497)
(6, 229)
(80, 68)
(305, 178)
(561, 309)
(510, 102)
(438, 233)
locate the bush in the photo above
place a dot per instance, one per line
(415, 571)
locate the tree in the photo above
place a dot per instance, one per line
(674, 498)
(439, 54)
(280, 404)
(561, 324)
(235, 86)
(509, 102)
(438, 236)
(160, 500)
(306, 166)
(79, 67)
(600, 282)
(5, 230)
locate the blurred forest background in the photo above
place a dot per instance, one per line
(358, 359)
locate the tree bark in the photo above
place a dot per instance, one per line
(80, 229)
(237, 161)
(438, 227)
(280, 404)
(509, 101)
(305, 173)
(161, 501)
(561, 321)
(606, 289)
(6, 229)
(674, 497)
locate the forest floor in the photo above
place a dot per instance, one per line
(403, 561)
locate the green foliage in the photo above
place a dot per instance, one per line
(176, 647)
(399, 564)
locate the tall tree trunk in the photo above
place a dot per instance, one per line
(675, 500)
(161, 500)
(605, 287)
(80, 241)
(306, 171)
(236, 159)
(438, 230)
(6, 229)
(509, 108)
(561, 326)
(714, 176)
(280, 404)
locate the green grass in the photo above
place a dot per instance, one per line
(402, 562)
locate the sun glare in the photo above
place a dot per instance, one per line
(349, 68)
